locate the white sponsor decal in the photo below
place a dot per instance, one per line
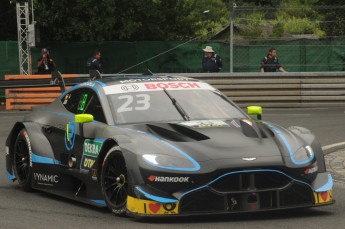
(156, 86)
(90, 84)
(91, 149)
(140, 103)
(168, 179)
(204, 123)
(7, 150)
(154, 79)
(46, 178)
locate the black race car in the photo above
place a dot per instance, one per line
(164, 145)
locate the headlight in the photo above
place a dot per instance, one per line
(303, 155)
(169, 162)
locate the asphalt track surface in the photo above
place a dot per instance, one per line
(19, 209)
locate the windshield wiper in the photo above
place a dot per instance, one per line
(177, 105)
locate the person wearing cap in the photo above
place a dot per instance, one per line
(94, 63)
(45, 65)
(211, 61)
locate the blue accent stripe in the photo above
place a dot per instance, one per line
(99, 202)
(156, 198)
(10, 176)
(42, 160)
(244, 171)
(100, 83)
(326, 187)
(98, 140)
(195, 163)
(287, 145)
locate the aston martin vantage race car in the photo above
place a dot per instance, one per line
(165, 145)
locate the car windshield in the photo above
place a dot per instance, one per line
(166, 105)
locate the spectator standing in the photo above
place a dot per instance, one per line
(270, 63)
(45, 65)
(211, 61)
(94, 63)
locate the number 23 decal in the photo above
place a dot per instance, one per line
(142, 102)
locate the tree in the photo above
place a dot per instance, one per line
(333, 16)
(86, 20)
(8, 22)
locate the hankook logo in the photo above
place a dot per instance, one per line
(249, 158)
(168, 179)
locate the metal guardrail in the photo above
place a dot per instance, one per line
(312, 89)
(285, 90)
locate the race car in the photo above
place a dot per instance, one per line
(165, 145)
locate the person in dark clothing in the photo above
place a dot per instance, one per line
(211, 61)
(270, 63)
(45, 65)
(94, 63)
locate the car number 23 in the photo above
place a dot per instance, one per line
(138, 102)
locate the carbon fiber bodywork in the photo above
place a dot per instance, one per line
(175, 167)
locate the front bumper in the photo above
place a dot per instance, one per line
(241, 191)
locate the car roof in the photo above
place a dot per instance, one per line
(120, 79)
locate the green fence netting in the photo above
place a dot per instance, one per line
(177, 57)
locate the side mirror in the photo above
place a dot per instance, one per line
(81, 119)
(255, 110)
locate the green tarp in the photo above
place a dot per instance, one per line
(179, 57)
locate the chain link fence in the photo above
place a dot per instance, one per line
(307, 38)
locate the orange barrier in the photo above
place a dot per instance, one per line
(26, 98)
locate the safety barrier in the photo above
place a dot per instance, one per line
(26, 98)
(317, 89)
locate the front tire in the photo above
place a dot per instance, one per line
(114, 181)
(22, 160)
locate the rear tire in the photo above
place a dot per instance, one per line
(114, 181)
(22, 160)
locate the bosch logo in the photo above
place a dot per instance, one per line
(130, 87)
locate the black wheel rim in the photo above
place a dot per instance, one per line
(21, 159)
(115, 182)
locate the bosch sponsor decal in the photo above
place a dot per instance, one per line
(153, 86)
(204, 123)
(46, 179)
(91, 148)
(168, 179)
(156, 86)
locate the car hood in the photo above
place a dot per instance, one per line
(234, 142)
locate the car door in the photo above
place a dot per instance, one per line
(81, 150)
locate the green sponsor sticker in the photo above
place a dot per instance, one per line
(91, 148)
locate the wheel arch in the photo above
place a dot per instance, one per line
(11, 139)
(107, 145)
(39, 143)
